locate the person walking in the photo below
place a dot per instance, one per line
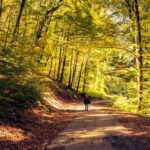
(86, 102)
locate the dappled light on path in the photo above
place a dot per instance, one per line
(94, 130)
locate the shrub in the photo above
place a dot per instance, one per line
(101, 95)
(123, 104)
(18, 95)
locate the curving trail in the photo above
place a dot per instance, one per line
(97, 129)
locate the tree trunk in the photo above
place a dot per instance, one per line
(55, 48)
(48, 14)
(59, 62)
(79, 78)
(70, 73)
(43, 45)
(64, 55)
(96, 79)
(85, 75)
(55, 65)
(74, 69)
(18, 20)
(134, 40)
(1, 7)
(63, 69)
(139, 42)
(50, 68)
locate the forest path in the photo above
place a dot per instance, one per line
(96, 129)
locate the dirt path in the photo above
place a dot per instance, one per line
(96, 129)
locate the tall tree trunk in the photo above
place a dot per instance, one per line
(61, 52)
(59, 62)
(139, 42)
(96, 79)
(1, 7)
(15, 33)
(48, 14)
(63, 69)
(134, 39)
(48, 58)
(70, 73)
(74, 68)
(64, 55)
(85, 76)
(79, 78)
(55, 65)
(55, 55)
(51, 66)
(43, 44)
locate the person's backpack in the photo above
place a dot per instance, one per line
(89, 102)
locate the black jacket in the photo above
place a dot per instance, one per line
(86, 100)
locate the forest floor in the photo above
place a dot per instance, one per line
(33, 129)
(100, 126)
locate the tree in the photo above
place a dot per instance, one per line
(47, 16)
(15, 32)
(52, 38)
(138, 20)
(1, 7)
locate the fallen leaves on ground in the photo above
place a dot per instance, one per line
(33, 129)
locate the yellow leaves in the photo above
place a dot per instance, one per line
(37, 50)
(84, 15)
(78, 4)
(42, 40)
(125, 26)
(12, 134)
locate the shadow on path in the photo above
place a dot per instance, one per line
(96, 130)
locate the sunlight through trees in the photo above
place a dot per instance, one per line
(99, 47)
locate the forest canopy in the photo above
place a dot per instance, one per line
(96, 47)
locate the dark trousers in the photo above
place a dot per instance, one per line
(86, 107)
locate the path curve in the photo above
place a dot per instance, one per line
(96, 129)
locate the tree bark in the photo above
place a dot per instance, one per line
(48, 14)
(18, 20)
(50, 68)
(79, 78)
(43, 45)
(55, 65)
(63, 69)
(55, 48)
(70, 73)
(85, 75)
(96, 79)
(74, 68)
(59, 62)
(1, 7)
(139, 42)
(134, 40)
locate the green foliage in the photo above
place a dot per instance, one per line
(100, 95)
(86, 46)
(123, 103)
(15, 96)
(19, 91)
